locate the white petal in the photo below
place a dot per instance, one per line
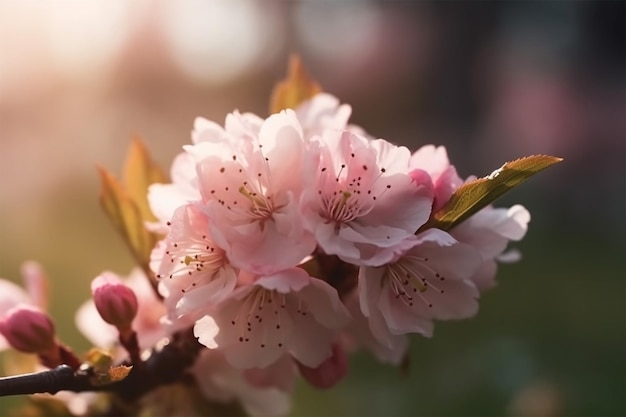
(400, 319)
(205, 330)
(286, 281)
(311, 343)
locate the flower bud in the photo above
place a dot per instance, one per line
(28, 329)
(116, 303)
(329, 372)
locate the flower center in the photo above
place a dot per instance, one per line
(264, 315)
(196, 261)
(261, 206)
(247, 189)
(410, 279)
(352, 193)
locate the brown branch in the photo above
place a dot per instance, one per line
(162, 367)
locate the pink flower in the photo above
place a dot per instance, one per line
(434, 160)
(328, 373)
(361, 198)
(285, 312)
(280, 374)
(250, 178)
(164, 199)
(489, 231)
(358, 334)
(115, 302)
(321, 112)
(238, 124)
(324, 112)
(194, 272)
(219, 381)
(427, 281)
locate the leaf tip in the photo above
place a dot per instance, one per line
(107, 180)
(295, 88)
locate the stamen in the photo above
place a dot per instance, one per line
(253, 307)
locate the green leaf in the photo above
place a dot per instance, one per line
(475, 195)
(293, 90)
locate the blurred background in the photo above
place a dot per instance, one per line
(492, 81)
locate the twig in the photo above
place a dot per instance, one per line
(162, 367)
(50, 381)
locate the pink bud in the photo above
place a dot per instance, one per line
(330, 372)
(116, 303)
(28, 329)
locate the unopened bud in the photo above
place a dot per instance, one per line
(329, 372)
(28, 329)
(116, 303)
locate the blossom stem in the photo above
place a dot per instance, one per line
(129, 340)
(59, 355)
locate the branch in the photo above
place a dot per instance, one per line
(50, 381)
(162, 367)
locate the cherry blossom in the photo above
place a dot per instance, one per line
(219, 381)
(284, 312)
(427, 281)
(329, 372)
(434, 160)
(358, 335)
(193, 271)
(489, 231)
(286, 243)
(164, 199)
(362, 199)
(250, 178)
(280, 374)
(322, 112)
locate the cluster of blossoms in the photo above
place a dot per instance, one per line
(254, 204)
(256, 211)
